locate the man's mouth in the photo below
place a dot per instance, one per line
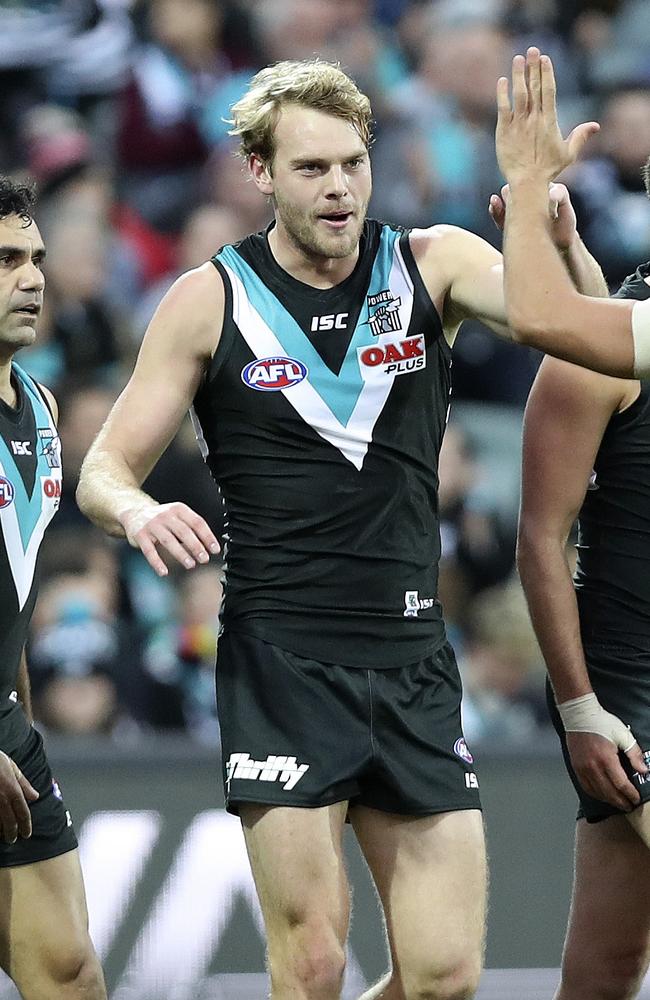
(32, 309)
(336, 219)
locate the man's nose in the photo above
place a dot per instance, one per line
(337, 183)
(31, 276)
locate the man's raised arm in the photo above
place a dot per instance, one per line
(544, 308)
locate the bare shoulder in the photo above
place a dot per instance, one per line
(193, 307)
(566, 387)
(51, 401)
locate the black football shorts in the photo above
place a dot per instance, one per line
(52, 830)
(619, 672)
(297, 732)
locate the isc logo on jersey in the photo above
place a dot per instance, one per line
(395, 358)
(7, 492)
(273, 374)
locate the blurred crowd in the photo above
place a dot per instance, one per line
(118, 108)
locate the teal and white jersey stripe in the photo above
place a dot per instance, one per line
(342, 407)
(28, 507)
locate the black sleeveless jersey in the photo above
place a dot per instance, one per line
(321, 418)
(613, 571)
(30, 491)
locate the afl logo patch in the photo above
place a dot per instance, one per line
(273, 374)
(462, 750)
(7, 492)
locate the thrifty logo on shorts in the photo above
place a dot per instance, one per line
(276, 767)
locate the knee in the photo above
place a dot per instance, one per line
(77, 968)
(457, 983)
(613, 976)
(314, 965)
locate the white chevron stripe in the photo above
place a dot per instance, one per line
(353, 439)
(23, 562)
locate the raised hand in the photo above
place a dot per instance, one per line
(529, 143)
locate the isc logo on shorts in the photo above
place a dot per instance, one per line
(397, 358)
(273, 374)
(7, 492)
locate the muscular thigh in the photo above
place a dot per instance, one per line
(431, 875)
(42, 913)
(610, 915)
(297, 861)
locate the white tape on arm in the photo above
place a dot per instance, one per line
(587, 715)
(641, 337)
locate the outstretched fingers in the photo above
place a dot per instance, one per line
(548, 88)
(519, 86)
(504, 111)
(534, 78)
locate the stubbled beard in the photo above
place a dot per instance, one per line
(303, 232)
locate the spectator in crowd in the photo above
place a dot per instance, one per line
(184, 79)
(502, 670)
(179, 660)
(83, 667)
(477, 550)
(608, 189)
(207, 228)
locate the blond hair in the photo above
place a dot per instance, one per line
(309, 83)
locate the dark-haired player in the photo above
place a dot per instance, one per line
(44, 943)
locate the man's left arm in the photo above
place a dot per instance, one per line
(23, 688)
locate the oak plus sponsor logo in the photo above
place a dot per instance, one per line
(394, 358)
(273, 374)
(384, 317)
(462, 750)
(7, 492)
(276, 767)
(414, 603)
(52, 488)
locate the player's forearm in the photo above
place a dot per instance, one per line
(535, 278)
(108, 490)
(23, 688)
(553, 608)
(544, 309)
(584, 270)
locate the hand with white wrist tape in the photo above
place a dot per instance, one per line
(594, 739)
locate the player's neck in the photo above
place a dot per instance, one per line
(7, 391)
(311, 269)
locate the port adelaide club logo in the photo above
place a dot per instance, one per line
(273, 374)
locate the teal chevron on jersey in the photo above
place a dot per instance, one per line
(340, 392)
(28, 506)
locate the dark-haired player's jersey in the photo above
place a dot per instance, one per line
(322, 417)
(613, 570)
(30, 491)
